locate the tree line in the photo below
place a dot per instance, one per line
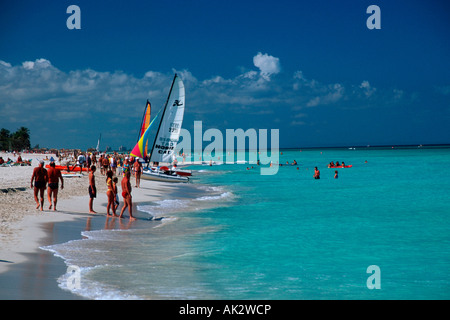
(19, 140)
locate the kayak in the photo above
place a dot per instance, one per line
(70, 174)
(349, 166)
(68, 168)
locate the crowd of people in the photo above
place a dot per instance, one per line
(18, 162)
(337, 164)
(316, 170)
(43, 179)
(112, 193)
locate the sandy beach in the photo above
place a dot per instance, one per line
(24, 229)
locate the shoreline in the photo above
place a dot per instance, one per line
(26, 270)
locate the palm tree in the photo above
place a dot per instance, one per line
(21, 139)
(5, 136)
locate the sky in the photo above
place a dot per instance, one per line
(312, 69)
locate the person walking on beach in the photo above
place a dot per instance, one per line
(126, 194)
(137, 172)
(100, 163)
(105, 164)
(113, 164)
(125, 166)
(40, 178)
(54, 175)
(88, 160)
(110, 193)
(92, 189)
(80, 162)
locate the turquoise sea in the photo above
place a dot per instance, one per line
(232, 233)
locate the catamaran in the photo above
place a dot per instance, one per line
(166, 138)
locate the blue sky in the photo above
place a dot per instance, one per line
(311, 69)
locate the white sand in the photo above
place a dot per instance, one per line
(21, 223)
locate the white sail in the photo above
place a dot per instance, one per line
(98, 143)
(170, 126)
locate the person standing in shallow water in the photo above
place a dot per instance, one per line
(40, 178)
(92, 190)
(126, 194)
(116, 199)
(110, 193)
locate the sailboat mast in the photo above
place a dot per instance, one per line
(162, 117)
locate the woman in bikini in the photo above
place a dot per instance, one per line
(110, 193)
(116, 200)
(126, 194)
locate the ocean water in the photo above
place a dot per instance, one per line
(233, 233)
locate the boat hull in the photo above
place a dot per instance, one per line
(183, 173)
(164, 177)
(177, 171)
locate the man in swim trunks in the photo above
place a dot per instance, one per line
(40, 178)
(126, 194)
(105, 164)
(92, 189)
(53, 176)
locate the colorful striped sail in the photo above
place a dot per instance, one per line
(145, 122)
(139, 149)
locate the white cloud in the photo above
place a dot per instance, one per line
(36, 90)
(300, 81)
(39, 63)
(28, 65)
(268, 65)
(367, 89)
(327, 95)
